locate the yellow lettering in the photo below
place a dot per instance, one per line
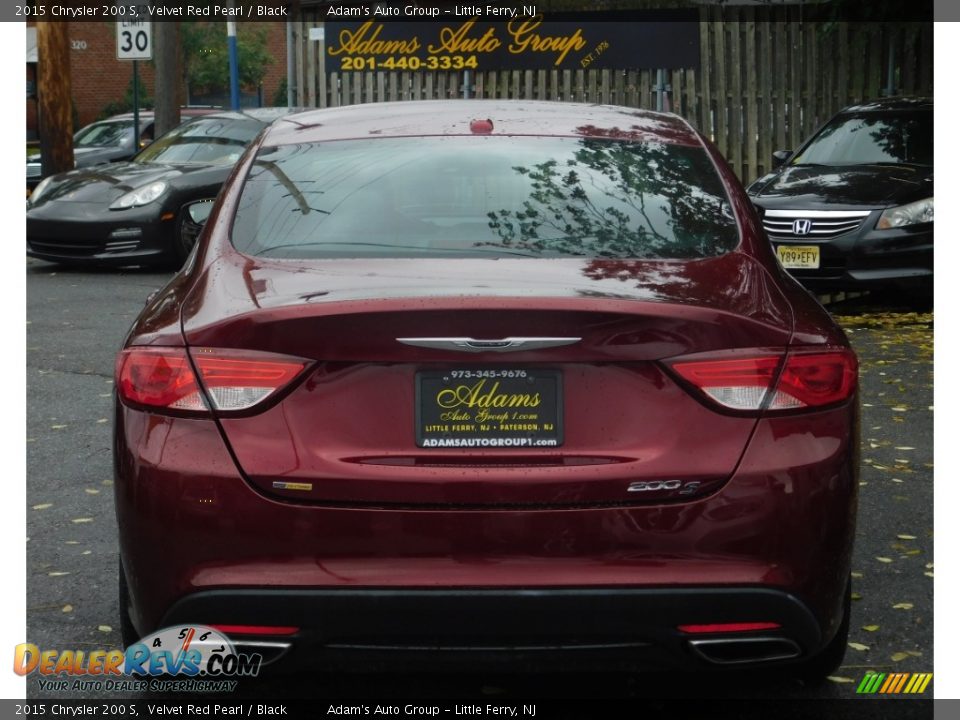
(474, 396)
(456, 40)
(356, 43)
(524, 39)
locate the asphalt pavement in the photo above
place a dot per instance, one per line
(77, 320)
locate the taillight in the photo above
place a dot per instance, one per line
(164, 378)
(807, 379)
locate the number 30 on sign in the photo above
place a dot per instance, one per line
(133, 40)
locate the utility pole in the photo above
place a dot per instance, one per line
(234, 70)
(53, 95)
(167, 77)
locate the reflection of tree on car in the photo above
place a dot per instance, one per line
(619, 200)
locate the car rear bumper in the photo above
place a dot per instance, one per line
(199, 543)
(637, 627)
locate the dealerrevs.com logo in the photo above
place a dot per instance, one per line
(181, 658)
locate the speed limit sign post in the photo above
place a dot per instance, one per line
(135, 42)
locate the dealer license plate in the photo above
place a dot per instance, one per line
(799, 257)
(489, 408)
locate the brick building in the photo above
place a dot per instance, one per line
(97, 78)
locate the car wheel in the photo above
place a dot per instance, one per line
(816, 670)
(128, 634)
(185, 235)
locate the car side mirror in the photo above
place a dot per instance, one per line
(199, 211)
(780, 157)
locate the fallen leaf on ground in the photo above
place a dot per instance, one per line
(57, 573)
(81, 520)
(898, 656)
(859, 646)
(104, 628)
(903, 606)
(870, 628)
(881, 559)
(839, 679)
(67, 608)
(42, 506)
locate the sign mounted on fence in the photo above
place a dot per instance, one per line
(525, 43)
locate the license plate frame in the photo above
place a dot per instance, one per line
(503, 408)
(799, 257)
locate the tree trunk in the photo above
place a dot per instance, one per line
(53, 95)
(167, 84)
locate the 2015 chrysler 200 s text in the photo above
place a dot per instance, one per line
(495, 380)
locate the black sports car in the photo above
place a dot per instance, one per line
(132, 213)
(853, 207)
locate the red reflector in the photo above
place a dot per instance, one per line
(727, 627)
(257, 629)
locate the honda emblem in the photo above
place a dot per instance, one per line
(802, 227)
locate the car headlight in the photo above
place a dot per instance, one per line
(40, 189)
(913, 213)
(139, 196)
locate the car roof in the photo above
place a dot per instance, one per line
(263, 114)
(454, 117)
(891, 104)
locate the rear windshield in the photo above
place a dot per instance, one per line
(873, 138)
(483, 197)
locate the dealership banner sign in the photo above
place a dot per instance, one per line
(526, 42)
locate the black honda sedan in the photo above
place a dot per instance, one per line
(853, 207)
(132, 213)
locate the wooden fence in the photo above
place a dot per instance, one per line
(766, 80)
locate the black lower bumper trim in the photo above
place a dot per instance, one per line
(638, 626)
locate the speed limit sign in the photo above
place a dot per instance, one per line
(133, 40)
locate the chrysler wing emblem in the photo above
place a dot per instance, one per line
(802, 227)
(509, 344)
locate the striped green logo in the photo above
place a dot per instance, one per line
(894, 683)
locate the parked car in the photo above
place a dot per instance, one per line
(101, 142)
(508, 381)
(853, 207)
(106, 141)
(130, 213)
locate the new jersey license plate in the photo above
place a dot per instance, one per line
(799, 257)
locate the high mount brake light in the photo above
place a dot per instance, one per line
(164, 378)
(808, 379)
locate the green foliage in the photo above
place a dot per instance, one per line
(206, 62)
(125, 104)
(280, 96)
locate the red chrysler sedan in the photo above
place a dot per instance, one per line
(493, 379)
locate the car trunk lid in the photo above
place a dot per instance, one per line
(355, 429)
